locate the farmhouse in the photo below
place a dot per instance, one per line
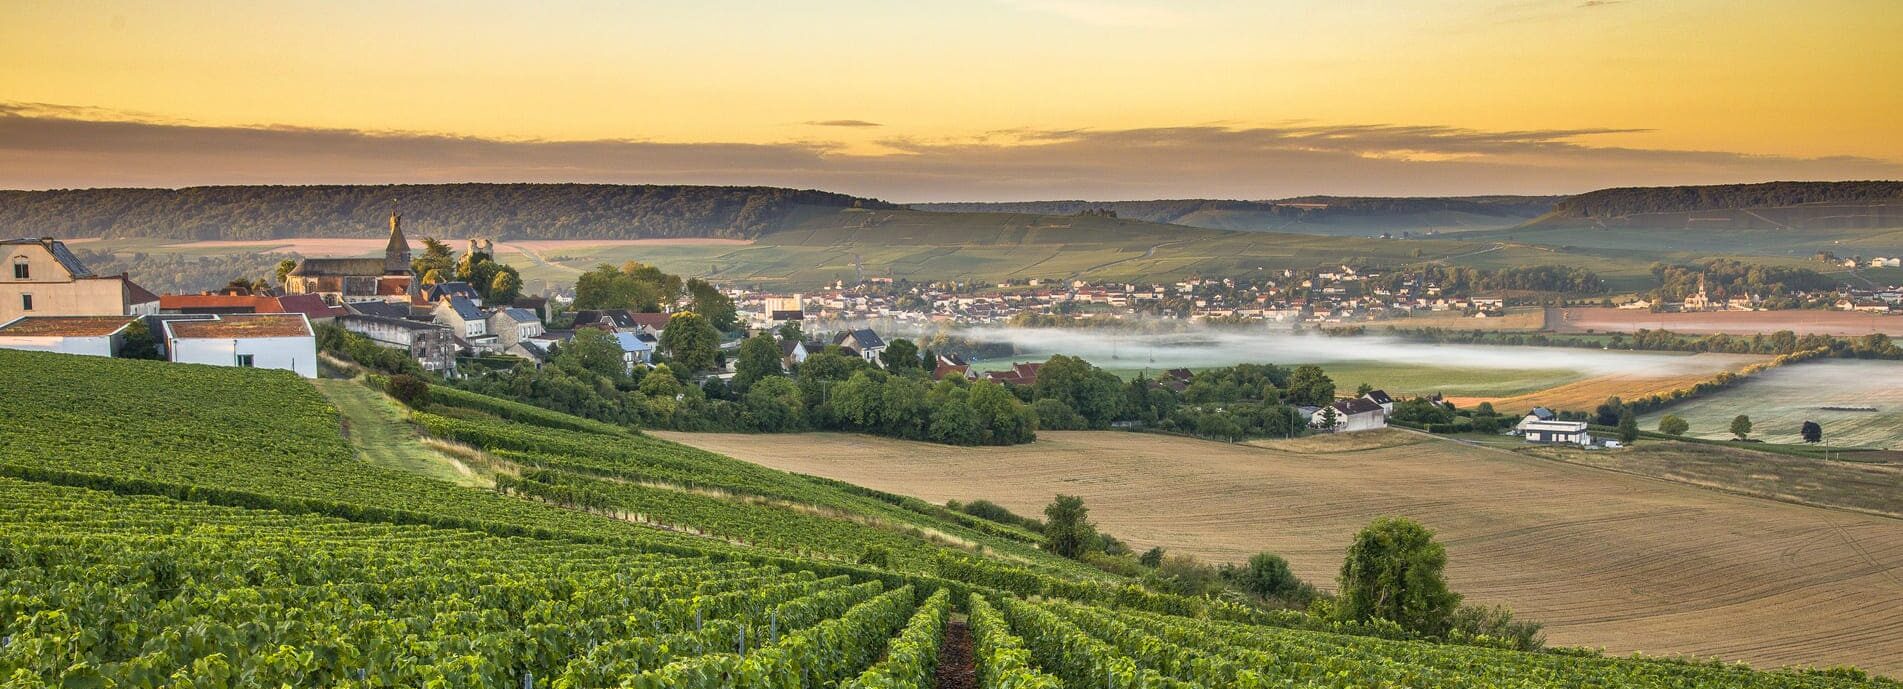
(513, 325)
(43, 278)
(430, 344)
(1536, 431)
(1380, 397)
(1359, 414)
(87, 335)
(359, 279)
(255, 340)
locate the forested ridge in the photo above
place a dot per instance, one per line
(1305, 208)
(502, 211)
(1608, 203)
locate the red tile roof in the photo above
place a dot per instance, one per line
(242, 325)
(65, 326)
(139, 295)
(308, 304)
(173, 302)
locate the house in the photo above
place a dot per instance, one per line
(140, 301)
(382, 309)
(943, 371)
(1018, 374)
(1358, 414)
(862, 340)
(793, 352)
(87, 335)
(461, 315)
(41, 277)
(635, 350)
(622, 320)
(1536, 431)
(1542, 414)
(512, 325)
(430, 344)
(359, 279)
(251, 340)
(531, 349)
(311, 305)
(444, 290)
(1381, 397)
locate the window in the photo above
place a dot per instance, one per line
(245, 361)
(20, 270)
(26, 302)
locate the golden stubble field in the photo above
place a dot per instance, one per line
(1585, 395)
(1604, 559)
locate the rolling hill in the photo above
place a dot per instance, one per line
(1330, 215)
(178, 525)
(1771, 205)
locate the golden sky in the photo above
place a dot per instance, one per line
(1123, 98)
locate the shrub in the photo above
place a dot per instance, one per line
(408, 389)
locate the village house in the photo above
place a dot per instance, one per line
(636, 350)
(41, 277)
(513, 325)
(1357, 414)
(1554, 431)
(867, 343)
(444, 290)
(430, 344)
(359, 279)
(85, 335)
(260, 340)
(1381, 397)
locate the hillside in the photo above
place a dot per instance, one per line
(1778, 205)
(174, 525)
(502, 211)
(1306, 215)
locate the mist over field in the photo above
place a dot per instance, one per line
(1205, 347)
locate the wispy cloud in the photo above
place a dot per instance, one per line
(842, 123)
(50, 146)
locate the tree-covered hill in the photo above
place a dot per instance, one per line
(1625, 202)
(1306, 214)
(503, 211)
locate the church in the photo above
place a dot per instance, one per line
(341, 280)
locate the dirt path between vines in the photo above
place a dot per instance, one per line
(955, 668)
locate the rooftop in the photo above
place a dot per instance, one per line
(64, 326)
(242, 325)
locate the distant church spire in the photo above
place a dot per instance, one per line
(396, 254)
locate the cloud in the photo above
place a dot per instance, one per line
(51, 146)
(842, 123)
(1599, 3)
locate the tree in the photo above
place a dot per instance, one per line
(790, 331)
(1328, 417)
(1812, 432)
(1053, 414)
(1268, 575)
(504, 288)
(594, 350)
(1628, 427)
(1151, 558)
(1607, 414)
(139, 343)
(955, 423)
(773, 405)
(1309, 385)
(1671, 424)
(1741, 426)
(900, 355)
(1363, 389)
(1394, 571)
(436, 258)
(1067, 528)
(284, 269)
(691, 342)
(707, 300)
(1095, 394)
(759, 358)
(606, 287)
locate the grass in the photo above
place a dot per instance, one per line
(1872, 488)
(375, 426)
(1603, 558)
(1779, 401)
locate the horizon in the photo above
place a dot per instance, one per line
(1011, 100)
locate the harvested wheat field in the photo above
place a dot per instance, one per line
(1604, 559)
(1584, 395)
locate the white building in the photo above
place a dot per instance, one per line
(1356, 414)
(1537, 431)
(87, 335)
(635, 350)
(252, 340)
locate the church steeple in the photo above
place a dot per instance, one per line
(396, 254)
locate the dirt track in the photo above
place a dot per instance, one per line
(1604, 559)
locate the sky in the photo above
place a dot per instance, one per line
(969, 100)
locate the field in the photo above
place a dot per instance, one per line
(1869, 486)
(1802, 322)
(1604, 559)
(1583, 395)
(1780, 400)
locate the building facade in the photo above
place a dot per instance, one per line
(430, 344)
(261, 340)
(341, 280)
(41, 277)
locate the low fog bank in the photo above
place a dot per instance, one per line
(1223, 347)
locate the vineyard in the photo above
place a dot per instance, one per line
(184, 526)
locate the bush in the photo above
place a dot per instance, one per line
(408, 389)
(1495, 622)
(1055, 415)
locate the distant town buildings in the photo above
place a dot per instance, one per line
(359, 279)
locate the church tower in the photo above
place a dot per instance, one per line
(396, 255)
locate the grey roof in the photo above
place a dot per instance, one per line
(60, 253)
(1357, 406)
(385, 309)
(618, 318)
(519, 315)
(404, 323)
(465, 308)
(312, 267)
(1380, 397)
(449, 289)
(863, 336)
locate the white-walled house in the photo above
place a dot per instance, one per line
(87, 335)
(253, 340)
(635, 351)
(1358, 414)
(512, 325)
